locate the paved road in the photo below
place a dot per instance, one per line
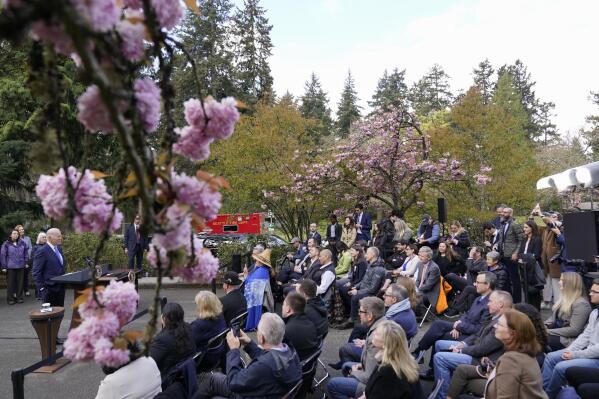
(19, 348)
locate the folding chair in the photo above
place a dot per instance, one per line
(428, 310)
(436, 389)
(239, 319)
(324, 368)
(291, 394)
(214, 344)
(308, 366)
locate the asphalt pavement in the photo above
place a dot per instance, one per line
(20, 348)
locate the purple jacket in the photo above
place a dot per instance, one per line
(13, 256)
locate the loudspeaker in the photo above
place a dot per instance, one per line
(236, 263)
(582, 235)
(442, 210)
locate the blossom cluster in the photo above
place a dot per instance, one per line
(94, 115)
(207, 121)
(93, 205)
(94, 337)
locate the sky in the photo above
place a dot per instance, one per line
(556, 39)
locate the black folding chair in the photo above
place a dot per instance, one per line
(214, 345)
(239, 319)
(317, 382)
(308, 366)
(293, 392)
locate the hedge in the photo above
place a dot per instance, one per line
(76, 246)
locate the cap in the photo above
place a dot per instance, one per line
(294, 240)
(232, 278)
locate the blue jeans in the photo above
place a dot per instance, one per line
(342, 387)
(554, 370)
(445, 362)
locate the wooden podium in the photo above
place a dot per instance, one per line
(46, 325)
(80, 280)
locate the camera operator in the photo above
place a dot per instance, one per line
(554, 247)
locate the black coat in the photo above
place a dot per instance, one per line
(131, 240)
(503, 278)
(337, 238)
(234, 304)
(384, 236)
(300, 333)
(535, 247)
(484, 343)
(316, 311)
(164, 349)
(395, 260)
(358, 270)
(385, 384)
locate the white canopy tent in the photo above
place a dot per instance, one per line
(586, 176)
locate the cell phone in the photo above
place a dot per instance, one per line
(236, 328)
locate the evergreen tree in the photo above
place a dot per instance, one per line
(508, 98)
(252, 49)
(288, 99)
(591, 133)
(483, 79)
(539, 125)
(315, 106)
(391, 92)
(432, 92)
(212, 54)
(348, 110)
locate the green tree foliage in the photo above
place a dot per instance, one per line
(591, 133)
(252, 48)
(391, 92)
(348, 110)
(539, 126)
(488, 135)
(212, 53)
(483, 79)
(432, 92)
(315, 106)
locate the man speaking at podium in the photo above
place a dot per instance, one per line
(50, 262)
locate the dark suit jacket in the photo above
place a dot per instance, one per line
(338, 232)
(131, 240)
(46, 265)
(316, 236)
(484, 344)
(472, 321)
(366, 223)
(234, 304)
(163, 350)
(301, 334)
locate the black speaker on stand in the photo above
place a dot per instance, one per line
(582, 235)
(442, 213)
(236, 263)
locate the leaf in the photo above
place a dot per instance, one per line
(240, 104)
(133, 336)
(99, 175)
(85, 294)
(131, 179)
(132, 192)
(215, 182)
(197, 222)
(192, 5)
(120, 343)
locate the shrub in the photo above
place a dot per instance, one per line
(76, 246)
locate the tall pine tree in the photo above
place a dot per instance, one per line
(253, 47)
(315, 106)
(348, 110)
(539, 126)
(391, 92)
(212, 53)
(483, 80)
(591, 133)
(432, 92)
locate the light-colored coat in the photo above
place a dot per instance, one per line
(517, 375)
(575, 322)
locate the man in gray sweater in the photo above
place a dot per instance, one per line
(584, 351)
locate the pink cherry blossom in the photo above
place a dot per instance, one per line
(93, 204)
(198, 194)
(54, 34)
(79, 345)
(192, 143)
(102, 15)
(134, 4)
(168, 12)
(132, 35)
(121, 299)
(221, 117)
(92, 111)
(177, 224)
(106, 355)
(203, 270)
(147, 97)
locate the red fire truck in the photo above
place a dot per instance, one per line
(238, 223)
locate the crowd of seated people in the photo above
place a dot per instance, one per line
(484, 342)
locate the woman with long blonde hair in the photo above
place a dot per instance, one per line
(397, 374)
(570, 313)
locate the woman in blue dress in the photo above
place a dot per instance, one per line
(255, 287)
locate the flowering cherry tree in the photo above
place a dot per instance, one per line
(387, 158)
(115, 43)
